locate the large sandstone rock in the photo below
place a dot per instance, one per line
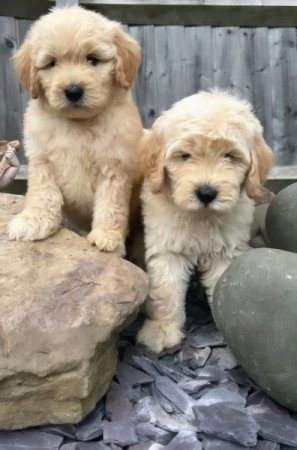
(62, 304)
(255, 308)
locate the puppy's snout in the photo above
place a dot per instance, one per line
(74, 93)
(206, 194)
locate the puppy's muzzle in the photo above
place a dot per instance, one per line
(74, 93)
(206, 194)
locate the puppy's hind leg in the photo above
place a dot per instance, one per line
(168, 276)
(42, 215)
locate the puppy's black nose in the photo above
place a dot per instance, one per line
(206, 194)
(74, 93)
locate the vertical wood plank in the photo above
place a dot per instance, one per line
(262, 82)
(226, 58)
(23, 26)
(10, 97)
(245, 64)
(177, 67)
(279, 93)
(258, 63)
(190, 52)
(204, 66)
(146, 86)
(163, 66)
(291, 102)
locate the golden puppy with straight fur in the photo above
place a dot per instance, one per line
(81, 127)
(205, 161)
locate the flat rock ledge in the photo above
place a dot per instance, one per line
(62, 305)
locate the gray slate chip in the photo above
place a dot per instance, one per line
(230, 385)
(145, 364)
(218, 444)
(148, 432)
(193, 386)
(276, 428)
(89, 446)
(118, 405)
(227, 421)
(145, 446)
(220, 395)
(244, 391)
(184, 440)
(206, 336)
(260, 402)
(193, 357)
(241, 377)
(165, 404)
(67, 431)
(70, 446)
(144, 410)
(120, 432)
(97, 446)
(91, 427)
(29, 440)
(222, 358)
(175, 394)
(266, 445)
(90, 432)
(176, 422)
(127, 374)
(173, 372)
(212, 374)
(189, 372)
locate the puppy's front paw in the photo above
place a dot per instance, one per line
(158, 335)
(26, 227)
(108, 241)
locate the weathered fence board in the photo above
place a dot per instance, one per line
(254, 13)
(258, 63)
(10, 95)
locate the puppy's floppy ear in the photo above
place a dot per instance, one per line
(25, 70)
(128, 58)
(152, 159)
(261, 161)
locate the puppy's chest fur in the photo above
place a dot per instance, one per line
(198, 238)
(81, 154)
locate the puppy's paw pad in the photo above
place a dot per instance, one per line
(157, 335)
(30, 228)
(108, 241)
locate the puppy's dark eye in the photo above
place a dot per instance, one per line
(185, 156)
(230, 156)
(52, 63)
(93, 60)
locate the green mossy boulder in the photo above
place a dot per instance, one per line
(255, 308)
(281, 220)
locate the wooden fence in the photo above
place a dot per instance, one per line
(258, 63)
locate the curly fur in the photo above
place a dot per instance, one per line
(208, 139)
(82, 157)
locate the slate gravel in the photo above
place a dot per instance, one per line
(193, 397)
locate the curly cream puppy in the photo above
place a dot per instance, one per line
(205, 161)
(81, 127)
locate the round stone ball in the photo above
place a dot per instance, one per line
(255, 308)
(281, 220)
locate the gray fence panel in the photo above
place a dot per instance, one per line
(10, 94)
(260, 64)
